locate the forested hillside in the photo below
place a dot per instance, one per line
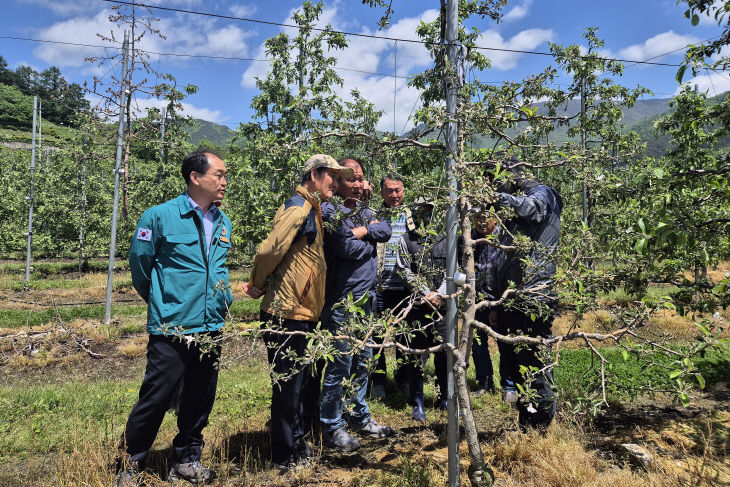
(61, 101)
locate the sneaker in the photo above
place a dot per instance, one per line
(372, 428)
(193, 472)
(128, 477)
(378, 391)
(509, 396)
(341, 440)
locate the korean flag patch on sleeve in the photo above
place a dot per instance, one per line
(144, 234)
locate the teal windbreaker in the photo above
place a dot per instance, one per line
(173, 274)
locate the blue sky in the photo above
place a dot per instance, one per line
(636, 30)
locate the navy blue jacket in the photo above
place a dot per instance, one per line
(537, 217)
(352, 264)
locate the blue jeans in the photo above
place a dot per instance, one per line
(345, 365)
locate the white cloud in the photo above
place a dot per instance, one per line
(518, 12)
(657, 47)
(526, 40)
(370, 55)
(186, 35)
(141, 104)
(242, 9)
(713, 84)
(70, 8)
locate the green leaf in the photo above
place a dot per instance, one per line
(695, 19)
(675, 373)
(625, 355)
(703, 328)
(701, 381)
(680, 73)
(684, 398)
(641, 225)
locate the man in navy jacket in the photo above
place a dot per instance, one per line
(352, 266)
(537, 216)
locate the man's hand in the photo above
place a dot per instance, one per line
(434, 298)
(360, 232)
(252, 290)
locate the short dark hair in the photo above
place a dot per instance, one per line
(392, 176)
(308, 175)
(197, 161)
(355, 159)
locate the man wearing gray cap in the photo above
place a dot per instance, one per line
(289, 271)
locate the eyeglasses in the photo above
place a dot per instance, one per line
(221, 176)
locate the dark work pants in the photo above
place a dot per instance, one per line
(168, 361)
(388, 300)
(480, 353)
(511, 357)
(294, 398)
(412, 365)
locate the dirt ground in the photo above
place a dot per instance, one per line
(689, 446)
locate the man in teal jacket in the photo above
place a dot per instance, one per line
(177, 259)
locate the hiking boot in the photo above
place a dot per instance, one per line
(377, 391)
(341, 440)
(372, 428)
(193, 472)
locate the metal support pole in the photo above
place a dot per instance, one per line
(452, 220)
(583, 144)
(40, 124)
(30, 198)
(82, 204)
(117, 171)
(161, 167)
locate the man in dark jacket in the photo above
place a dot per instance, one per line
(352, 266)
(537, 216)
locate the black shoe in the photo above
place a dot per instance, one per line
(193, 472)
(341, 439)
(302, 451)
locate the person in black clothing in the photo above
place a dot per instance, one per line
(537, 216)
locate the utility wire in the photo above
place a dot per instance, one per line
(173, 54)
(356, 34)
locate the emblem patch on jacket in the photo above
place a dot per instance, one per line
(144, 234)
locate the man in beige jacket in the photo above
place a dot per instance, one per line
(289, 271)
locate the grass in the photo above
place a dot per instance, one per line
(14, 318)
(72, 427)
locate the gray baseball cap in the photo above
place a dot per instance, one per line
(323, 160)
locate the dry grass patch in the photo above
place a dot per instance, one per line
(134, 347)
(560, 459)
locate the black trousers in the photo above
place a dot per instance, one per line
(511, 357)
(410, 367)
(295, 396)
(385, 301)
(168, 361)
(433, 333)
